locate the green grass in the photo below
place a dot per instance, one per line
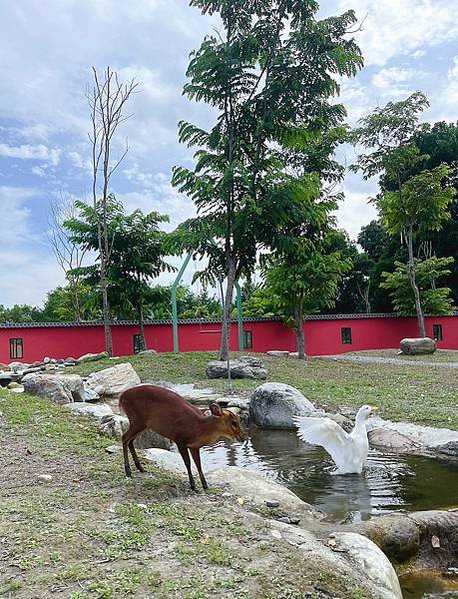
(415, 393)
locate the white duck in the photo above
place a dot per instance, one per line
(348, 450)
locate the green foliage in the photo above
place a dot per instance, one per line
(419, 206)
(136, 255)
(271, 76)
(435, 300)
(60, 305)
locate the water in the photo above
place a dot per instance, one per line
(390, 482)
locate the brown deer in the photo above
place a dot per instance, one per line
(167, 413)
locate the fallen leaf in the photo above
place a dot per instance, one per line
(331, 542)
(240, 500)
(28, 452)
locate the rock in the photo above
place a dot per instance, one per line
(4, 367)
(5, 379)
(416, 346)
(44, 478)
(412, 438)
(59, 388)
(19, 389)
(46, 360)
(114, 380)
(246, 367)
(89, 394)
(278, 353)
(397, 536)
(92, 357)
(17, 366)
(70, 361)
(113, 449)
(14, 385)
(272, 503)
(273, 405)
(96, 410)
(449, 449)
(188, 391)
(147, 352)
(389, 439)
(114, 425)
(369, 558)
(255, 489)
(169, 460)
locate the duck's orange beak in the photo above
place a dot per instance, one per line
(374, 409)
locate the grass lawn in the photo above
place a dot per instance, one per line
(415, 393)
(440, 355)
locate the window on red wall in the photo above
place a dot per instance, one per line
(437, 332)
(16, 349)
(248, 339)
(346, 335)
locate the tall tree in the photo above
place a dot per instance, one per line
(107, 100)
(418, 203)
(136, 254)
(271, 71)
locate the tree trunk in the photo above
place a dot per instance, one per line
(225, 331)
(105, 308)
(413, 284)
(299, 327)
(141, 326)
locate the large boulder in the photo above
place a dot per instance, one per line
(247, 367)
(92, 357)
(273, 405)
(371, 560)
(112, 381)
(115, 425)
(5, 378)
(98, 410)
(417, 346)
(59, 388)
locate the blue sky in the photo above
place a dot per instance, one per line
(48, 49)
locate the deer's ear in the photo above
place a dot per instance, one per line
(215, 409)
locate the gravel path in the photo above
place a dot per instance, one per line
(393, 361)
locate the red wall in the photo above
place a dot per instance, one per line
(322, 336)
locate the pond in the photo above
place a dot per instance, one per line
(390, 482)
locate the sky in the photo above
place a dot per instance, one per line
(48, 49)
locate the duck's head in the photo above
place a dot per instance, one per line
(365, 411)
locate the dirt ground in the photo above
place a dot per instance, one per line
(89, 532)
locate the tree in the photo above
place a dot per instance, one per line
(304, 280)
(60, 304)
(136, 253)
(418, 203)
(69, 255)
(107, 99)
(435, 300)
(270, 73)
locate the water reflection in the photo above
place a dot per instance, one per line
(390, 482)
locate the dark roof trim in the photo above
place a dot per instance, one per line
(123, 323)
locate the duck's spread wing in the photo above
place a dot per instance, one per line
(324, 432)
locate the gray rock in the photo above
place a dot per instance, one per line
(278, 353)
(89, 394)
(92, 357)
(273, 405)
(255, 489)
(114, 425)
(14, 385)
(96, 410)
(70, 361)
(113, 449)
(246, 367)
(112, 381)
(44, 478)
(17, 366)
(147, 352)
(272, 503)
(369, 558)
(416, 346)
(449, 449)
(390, 439)
(5, 379)
(59, 388)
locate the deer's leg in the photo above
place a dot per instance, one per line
(184, 452)
(127, 439)
(196, 457)
(134, 454)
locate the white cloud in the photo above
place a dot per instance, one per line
(393, 27)
(28, 152)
